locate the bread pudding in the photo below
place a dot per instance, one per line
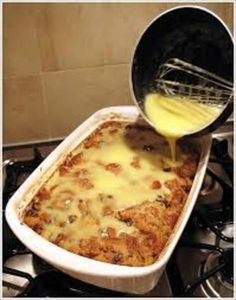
(117, 197)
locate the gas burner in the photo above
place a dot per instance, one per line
(54, 283)
(227, 271)
(227, 230)
(51, 283)
(221, 283)
(40, 265)
(22, 263)
(211, 191)
(15, 173)
(208, 185)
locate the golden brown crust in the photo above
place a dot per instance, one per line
(114, 168)
(69, 162)
(156, 185)
(153, 220)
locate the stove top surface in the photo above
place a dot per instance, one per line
(206, 244)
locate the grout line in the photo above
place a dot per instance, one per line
(44, 95)
(45, 106)
(21, 76)
(66, 70)
(36, 23)
(88, 67)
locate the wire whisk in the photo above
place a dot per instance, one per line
(178, 78)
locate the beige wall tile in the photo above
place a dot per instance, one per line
(21, 55)
(24, 116)
(94, 41)
(83, 35)
(67, 36)
(49, 57)
(71, 35)
(124, 25)
(72, 96)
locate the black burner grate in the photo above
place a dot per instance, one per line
(56, 284)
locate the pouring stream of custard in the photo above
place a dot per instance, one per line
(175, 117)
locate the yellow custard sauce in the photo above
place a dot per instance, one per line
(115, 198)
(106, 177)
(174, 117)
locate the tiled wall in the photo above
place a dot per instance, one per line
(62, 62)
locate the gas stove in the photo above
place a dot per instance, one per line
(201, 265)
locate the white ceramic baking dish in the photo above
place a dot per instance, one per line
(115, 277)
